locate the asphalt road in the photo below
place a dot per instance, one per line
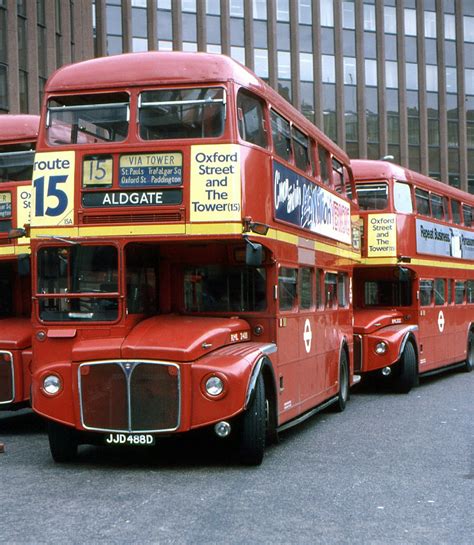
(391, 469)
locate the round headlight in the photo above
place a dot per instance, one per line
(52, 384)
(214, 386)
(381, 348)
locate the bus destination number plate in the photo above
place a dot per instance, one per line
(134, 439)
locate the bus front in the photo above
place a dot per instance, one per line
(18, 135)
(150, 306)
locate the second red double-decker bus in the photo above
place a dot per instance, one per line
(414, 291)
(193, 256)
(18, 135)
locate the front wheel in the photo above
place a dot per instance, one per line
(63, 442)
(253, 427)
(407, 376)
(344, 386)
(469, 365)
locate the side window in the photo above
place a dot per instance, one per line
(330, 289)
(422, 202)
(342, 289)
(426, 292)
(402, 198)
(440, 291)
(305, 288)
(372, 196)
(347, 183)
(287, 287)
(456, 212)
(301, 148)
(470, 291)
(459, 292)
(437, 208)
(323, 156)
(467, 214)
(338, 176)
(281, 136)
(319, 288)
(251, 120)
(450, 292)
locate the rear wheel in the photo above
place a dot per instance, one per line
(344, 386)
(469, 366)
(63, 442)
(253, 427)
(408, 371)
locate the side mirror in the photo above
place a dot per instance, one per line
(253, 254)
(24, 266)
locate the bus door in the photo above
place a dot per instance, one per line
(434, 345)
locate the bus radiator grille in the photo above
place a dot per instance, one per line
(130, 396)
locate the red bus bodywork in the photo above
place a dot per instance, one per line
(18, 134)
(293, 354)
(413, 263)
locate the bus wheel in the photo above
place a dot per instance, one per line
(408, 372)
(62, 442)
(252, 427)
(469, 366)
(344, 391)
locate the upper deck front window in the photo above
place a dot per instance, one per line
(372, 196)
(182, 113)
(402, 200)
(16, 162)
(88, 119)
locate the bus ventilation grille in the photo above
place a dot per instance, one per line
(6, 378)
(130, 396)
(166, 217)
(357, 353)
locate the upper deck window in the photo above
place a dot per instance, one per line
(422, 202)
(323, 156)
(456, 212)
(402, 200)
(251, 126)
(16, 162)
(182, 113)
(372, 196)
(88, 119)
(281, 136)
(467, 214)
(301, 146)
(437, 206)
(338, 176)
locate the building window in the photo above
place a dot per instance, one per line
(348, 15)
(328, 69)
(411, 76)
(369, 17)
(430, 24)
(327, 13)
(431, 78)
(468, 29)
(410, 22)
(350, 72)
(449, 27)
(391, 74)
(371, 72)
(451, 80)
(390, 20)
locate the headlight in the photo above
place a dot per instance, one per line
(381, 348)
(214, 386)
(52, 384)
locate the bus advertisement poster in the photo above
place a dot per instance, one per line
(381, 235)
(5, 204)
(436, 239)
(301, 202)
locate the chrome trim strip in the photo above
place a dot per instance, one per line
(307, 415)
(121, 363)
(270, 348)
(12, 368)
(253, 380)
(405, 340)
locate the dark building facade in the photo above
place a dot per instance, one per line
(380, 77)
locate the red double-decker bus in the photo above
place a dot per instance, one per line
(193, 255)
(18, 134)
(414, 289)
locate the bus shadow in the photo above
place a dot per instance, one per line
(25, 421)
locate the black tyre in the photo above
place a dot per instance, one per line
(63, 442)
(469, 366)
(344, 386)
(253, 427)
(407, 377)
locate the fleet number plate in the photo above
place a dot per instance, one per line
(135, 439)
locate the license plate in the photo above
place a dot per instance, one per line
(134, 439)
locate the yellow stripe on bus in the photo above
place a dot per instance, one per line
(418, 262)
(14, 250)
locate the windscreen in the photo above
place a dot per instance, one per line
(372, 196)
(182, 113)
(88, 119)
(7, 309)
(387, 293)
(66, 272)
(215, 288)
(16, 162)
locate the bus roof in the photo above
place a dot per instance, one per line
(174, 67)
(18, 128)
(366, 169)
